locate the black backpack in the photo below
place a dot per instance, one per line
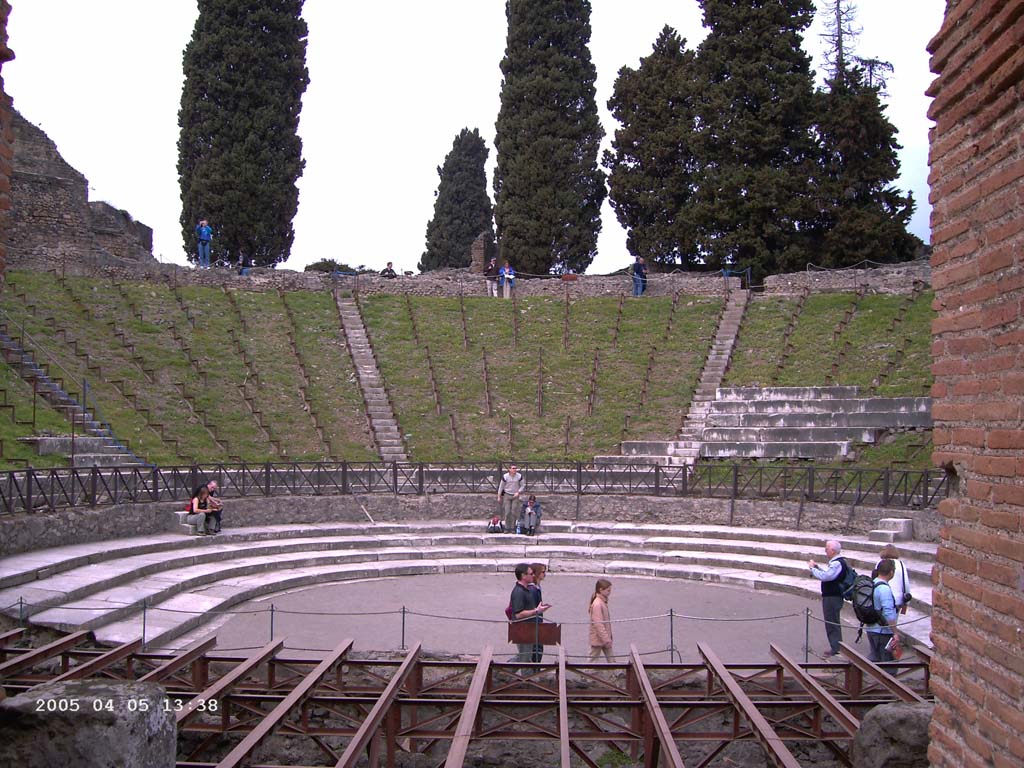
(846, 580)
(863, 597)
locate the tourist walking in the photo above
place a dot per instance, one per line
(900, 583)
(831, 577)
(204, 234)
(525, 605)
(884, 643)
(601, 622)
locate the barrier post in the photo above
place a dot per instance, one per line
(21, 611)
(807, 634)
(271, 622)
(402, 647)
(671, 635)
(145, 601)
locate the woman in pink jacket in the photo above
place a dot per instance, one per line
(600, 621)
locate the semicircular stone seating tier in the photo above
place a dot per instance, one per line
(184, 580)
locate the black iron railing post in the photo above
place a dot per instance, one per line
(810, 483)
(419, 479)
(94, 483)
(394, 477)
(29, 478)
(885, 487)
(344, 478)
(266, 479)
(657, 479)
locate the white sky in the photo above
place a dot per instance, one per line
(391, 86)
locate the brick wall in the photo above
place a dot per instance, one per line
(6, 137)
(977, 169)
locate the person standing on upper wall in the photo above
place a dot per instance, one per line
(507, 279)
(204, 234)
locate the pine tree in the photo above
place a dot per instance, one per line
(862, 216)
(462, 210)
(239, 156)
(653, 169)
(548, 188)
(755, 135)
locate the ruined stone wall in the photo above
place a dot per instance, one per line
(892, 278)
(6, 137)
(51, 220)
(977, 194)
(898, 279)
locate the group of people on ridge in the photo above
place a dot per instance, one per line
(503, 278)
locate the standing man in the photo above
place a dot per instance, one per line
(881, 633)
(389, 272)
(639, 276)
(509, 489)
(204, 234)
(491, 278)
(526, 605)
(831, 593)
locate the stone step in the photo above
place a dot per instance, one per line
(788, 434)
(861, 419)
(114, 581)
(788, 393)
(893, 529)
(778, 450)
(855, 405)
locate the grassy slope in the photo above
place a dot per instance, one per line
(537, 373)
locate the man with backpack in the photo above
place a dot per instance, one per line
(883, 642)
(833, 578)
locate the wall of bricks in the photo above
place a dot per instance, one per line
(6, 137)
(977, 170)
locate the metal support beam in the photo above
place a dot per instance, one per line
(669, 750)
(563, 712)
(467, 720)
(229, 681)
(294, 699)
(776, 750)
(825, 700)
(180, 661)
(366, 731)
(101, 662)
(893, 685)
(30, 658)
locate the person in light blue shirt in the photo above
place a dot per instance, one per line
(204, 234)
(881, 633)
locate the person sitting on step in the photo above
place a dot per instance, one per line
(198, 509)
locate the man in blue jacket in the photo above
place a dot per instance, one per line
(204, 234)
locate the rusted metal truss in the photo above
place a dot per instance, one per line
(347, 709)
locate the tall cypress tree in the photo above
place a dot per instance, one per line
(548, 188)
(239, 156)
(653, 169)
(862, 216)
(462, 210)
(755, 134)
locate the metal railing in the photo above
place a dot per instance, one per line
(28, 490)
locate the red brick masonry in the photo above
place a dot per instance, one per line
(977, 165)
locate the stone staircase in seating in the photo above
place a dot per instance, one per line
(803, 422)
(175, 583)
(686, 448)
(94, 443)
(378, 407)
